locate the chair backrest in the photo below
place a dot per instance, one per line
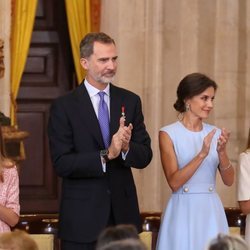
(44, 241)
(236, 220)
(42, 227)
(151, 222)
(146, 238)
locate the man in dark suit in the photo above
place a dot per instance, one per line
(98, 189)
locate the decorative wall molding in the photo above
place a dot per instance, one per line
(5, 26)
(1, 58)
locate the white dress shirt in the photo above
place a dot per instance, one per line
(95, 99)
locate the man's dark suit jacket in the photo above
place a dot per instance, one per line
(88, 194)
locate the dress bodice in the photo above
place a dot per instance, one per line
(187, 144)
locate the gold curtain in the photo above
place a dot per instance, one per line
(21, 31)
(79, 23)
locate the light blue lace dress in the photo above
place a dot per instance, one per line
(194, 214)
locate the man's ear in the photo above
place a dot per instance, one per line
(84, 63)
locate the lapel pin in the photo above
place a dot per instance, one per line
(123, 112)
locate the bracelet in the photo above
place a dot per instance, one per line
(226, 168)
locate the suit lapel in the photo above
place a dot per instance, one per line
(87, 114)
(90, 121)
(116, 102)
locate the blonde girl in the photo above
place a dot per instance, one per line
(9, 191)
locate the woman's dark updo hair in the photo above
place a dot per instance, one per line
(192, 85)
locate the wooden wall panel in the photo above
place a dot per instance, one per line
(48, 74)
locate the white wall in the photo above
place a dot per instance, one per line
(161, 41)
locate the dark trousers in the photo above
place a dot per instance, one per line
(69, 245)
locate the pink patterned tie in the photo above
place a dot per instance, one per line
(103, 117)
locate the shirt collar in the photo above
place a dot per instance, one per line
(94, 91)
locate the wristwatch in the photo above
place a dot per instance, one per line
(104, 153)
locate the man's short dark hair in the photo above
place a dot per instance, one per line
(87, 43)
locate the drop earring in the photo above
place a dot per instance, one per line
(180, 116)
(187, 106)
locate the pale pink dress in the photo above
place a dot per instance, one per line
(9, 194)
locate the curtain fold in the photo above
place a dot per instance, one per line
(21, 31)
(79, 24)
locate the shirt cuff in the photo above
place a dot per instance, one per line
(103, 165)
(124, 155)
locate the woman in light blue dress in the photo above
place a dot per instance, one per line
(191, 153)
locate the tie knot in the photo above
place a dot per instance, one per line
(101, 94)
